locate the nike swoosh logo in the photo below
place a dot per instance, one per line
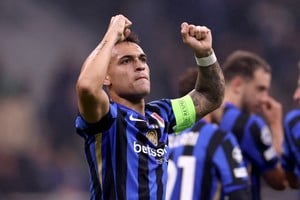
(131, 118)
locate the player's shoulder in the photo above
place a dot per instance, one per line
(231, 111)
(292, 115)
(256, 119)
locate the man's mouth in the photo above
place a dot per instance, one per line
(141, 77)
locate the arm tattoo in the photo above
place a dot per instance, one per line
(209, 89)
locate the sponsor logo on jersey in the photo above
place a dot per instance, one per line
(146, 149)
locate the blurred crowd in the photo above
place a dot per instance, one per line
(40, 153)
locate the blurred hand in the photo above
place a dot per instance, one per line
(271, 110)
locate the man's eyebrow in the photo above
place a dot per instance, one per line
(143, 55)
(133, 55)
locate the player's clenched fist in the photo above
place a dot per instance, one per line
(198, 38)
(120, 25)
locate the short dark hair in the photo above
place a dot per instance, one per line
(187, 81)
(243, 63)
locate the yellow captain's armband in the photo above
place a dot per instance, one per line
(184, 111)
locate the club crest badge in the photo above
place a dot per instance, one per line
(152, 137)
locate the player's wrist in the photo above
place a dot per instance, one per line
(206, 61)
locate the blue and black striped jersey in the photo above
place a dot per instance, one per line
(201, 157)
(127, 153)
(291, 144)
(255, 140)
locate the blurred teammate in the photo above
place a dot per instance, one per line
(204, 160)
(125, 138)
(248, 79)
(291, 153)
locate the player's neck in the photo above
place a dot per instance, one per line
(233, 98)
(216, 115)
(136, 105)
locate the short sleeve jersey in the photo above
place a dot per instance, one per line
(127, 152)
(291, 145)
(201, 158)
(255, 140)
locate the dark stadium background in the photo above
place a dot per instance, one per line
(43, 44)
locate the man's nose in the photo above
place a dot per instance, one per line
(139, 66)
(296, 96)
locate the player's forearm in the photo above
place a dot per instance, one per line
(94, 69)
(92, 100)
(211, 84)
(277, 137)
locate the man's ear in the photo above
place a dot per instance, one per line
(106, 81)
(237, 84)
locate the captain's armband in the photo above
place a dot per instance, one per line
(184, 111)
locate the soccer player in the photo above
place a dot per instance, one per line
(126, 138)
(205, 162)
(254, 117)
(291, 147)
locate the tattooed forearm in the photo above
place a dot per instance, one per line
(209, 89)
